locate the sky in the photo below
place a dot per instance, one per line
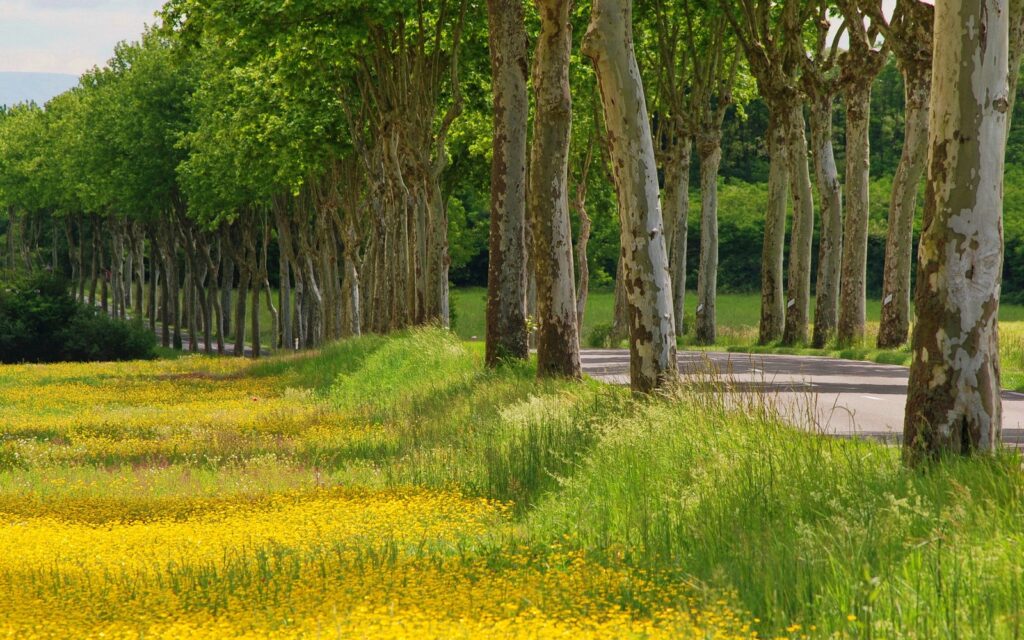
(68, 36)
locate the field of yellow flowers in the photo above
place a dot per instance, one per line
(394, 487)
(205, 497)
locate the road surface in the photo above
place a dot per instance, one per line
(837, 397)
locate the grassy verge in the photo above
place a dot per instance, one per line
(392, 484)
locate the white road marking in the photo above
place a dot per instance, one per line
(871, 397)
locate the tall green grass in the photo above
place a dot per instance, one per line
(835, 535)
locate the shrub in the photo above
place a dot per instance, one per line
(600, 337)
(41, 322)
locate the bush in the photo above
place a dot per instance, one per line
(600, 337)
(41, 322)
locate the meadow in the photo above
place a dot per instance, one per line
(392, 487)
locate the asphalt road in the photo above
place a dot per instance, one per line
(836, 397)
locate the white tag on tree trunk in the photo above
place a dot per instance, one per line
(792, 303)
(888, 299)
(700, 308)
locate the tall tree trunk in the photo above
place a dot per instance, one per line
(163, 304)
(558, 343)
(69, 233)
(284, 301)
(609, 45)
(243, 287)
(314, 304)
(95, 257)
(256, 284)
(54, 242)
(830, 239)
(895, 321)
(798, 282)
(506, 334)
(154, 282)
(80, 258)
(227, 279)
(170, 298)
(350, 286)
(677, 213)
(139, 251)
(419, 239)
(212, 293)
(582, 260)
(621, 311)
(772, 302)
(953, 402)
(709, 146)
(853, 283)
(264, 282)
(860, 66)
(189, 306)
(104, 279)
(11, 223)
(127, 275)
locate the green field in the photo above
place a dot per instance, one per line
(392, 487)
(738, 316)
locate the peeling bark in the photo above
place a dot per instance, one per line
(772, 297)
(558, 347)
(609, 45)
(853, 287)
(895, 321)
(830, 239)
(506, 270)
(676, 201)
(798, 290)
(859, 67)
(953, 403)
(911, 36)
(709, 145)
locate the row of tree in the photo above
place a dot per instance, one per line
(308, 145)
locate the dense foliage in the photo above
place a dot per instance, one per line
(237, 139)
(41, 322)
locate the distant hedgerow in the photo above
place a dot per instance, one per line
(41, 322)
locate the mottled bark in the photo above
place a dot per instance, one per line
(506, 270)
(154, 282)
(830, 238)
(171, 298)
(858, 69)
(350, 284)
(853, 287)
(953, 403)
(895, 321)
(676, 206)
(227, 282)
(579, 203)
(709, 146)
(558, 348)
(609, 45)
(138, 251)
(94, 259)
(910, 35)
(284, 300)
(772, 300)
(798, 289)
(69, 235)
(620, 311)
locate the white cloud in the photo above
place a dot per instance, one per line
(68, 36)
